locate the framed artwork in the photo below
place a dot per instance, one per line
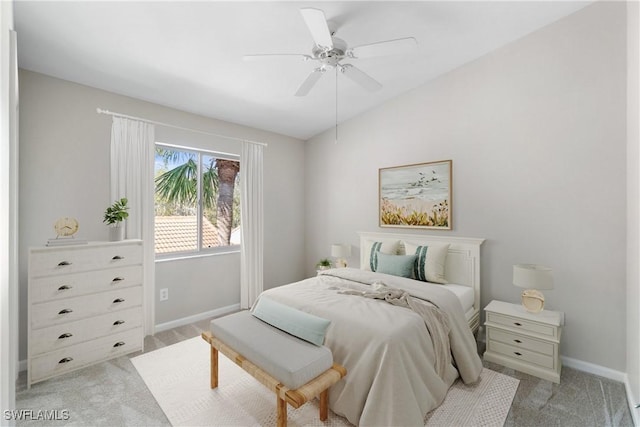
(416, 196)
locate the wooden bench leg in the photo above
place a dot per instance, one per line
(214, 367)
(282, 412)
(324, 400)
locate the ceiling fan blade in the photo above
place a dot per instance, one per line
(360, 77)
(275, 55)
(317, 24)
(389, 47)
(310, 82)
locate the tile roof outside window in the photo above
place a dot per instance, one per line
(179, 234)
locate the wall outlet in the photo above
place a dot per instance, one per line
(164, 294)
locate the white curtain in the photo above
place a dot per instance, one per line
(252, 223)
(132, 157)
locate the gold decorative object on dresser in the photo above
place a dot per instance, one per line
(524, 341)
(85, 306)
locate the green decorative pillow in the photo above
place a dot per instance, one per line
(397, 265)
(430, 262)
(291, 320)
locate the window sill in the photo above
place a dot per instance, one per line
(176, 257)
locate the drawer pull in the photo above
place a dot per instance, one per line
(64, 288)
(117, 279)
(117, 257)
(118, 322)
(517, 324)
(517, 353)
(66, 360)
(65, 311)
(119, 344)
(63, 263)
(118, 300)
(63, 336)
(518, 341)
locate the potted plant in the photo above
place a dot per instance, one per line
(324, 264)
(113, 216)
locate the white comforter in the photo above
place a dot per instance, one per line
(386, 349)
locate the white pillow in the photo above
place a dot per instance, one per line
(389, 247)
(430, 262)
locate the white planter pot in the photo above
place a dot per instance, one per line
(116, 233)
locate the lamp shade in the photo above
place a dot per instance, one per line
(532, 276)
(339, 250)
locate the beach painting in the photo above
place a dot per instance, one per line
(416, 196)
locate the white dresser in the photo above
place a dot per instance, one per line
(85, 306)
(524, 341)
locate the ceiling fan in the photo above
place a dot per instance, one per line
(330, 51)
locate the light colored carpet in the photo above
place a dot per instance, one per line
(178, 378)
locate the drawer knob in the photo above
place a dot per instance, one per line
(118, 300)
(117, 257)
(119, 344)
(517, 353)
(66, 360)
(64, 288)
(517, 324)
(118, 322)
(63, 336)
(117, 279)
(63, 263)
(65, 311)
(518, 341)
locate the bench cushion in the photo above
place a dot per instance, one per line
(288, 359)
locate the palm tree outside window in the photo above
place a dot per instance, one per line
(197, 201)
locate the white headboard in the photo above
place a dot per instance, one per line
(463, 259)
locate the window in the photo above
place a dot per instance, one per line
(197, 201)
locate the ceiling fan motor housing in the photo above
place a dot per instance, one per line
(330, 56)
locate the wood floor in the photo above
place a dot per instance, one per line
(113, 394)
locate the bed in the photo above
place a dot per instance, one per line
(396, 373)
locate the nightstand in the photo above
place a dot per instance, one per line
(524, 341)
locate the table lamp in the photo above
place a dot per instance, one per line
(532, 277)
(340, 252)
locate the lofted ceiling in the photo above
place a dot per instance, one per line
(188, 55)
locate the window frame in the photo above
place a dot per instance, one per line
(200, 252)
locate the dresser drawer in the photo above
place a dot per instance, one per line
(529, 356)
(80, 355)
(50, 288)
(68, 334)
(521, 324)
(78, 308)
(520, 341)
(80, 258)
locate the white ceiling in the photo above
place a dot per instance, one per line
(188, 55)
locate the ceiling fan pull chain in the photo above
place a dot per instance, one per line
(336, 105)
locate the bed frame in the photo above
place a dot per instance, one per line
(462, 266)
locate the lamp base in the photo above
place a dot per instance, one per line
(341, 263)
(532, 300)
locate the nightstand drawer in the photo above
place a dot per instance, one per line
(521, 354)
(525, 325)
(520, 341)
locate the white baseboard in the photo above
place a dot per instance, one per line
(197, 317)
(22, 365)
(594, 369)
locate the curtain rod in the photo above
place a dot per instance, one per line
(111, 113)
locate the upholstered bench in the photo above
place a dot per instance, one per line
(294, 369)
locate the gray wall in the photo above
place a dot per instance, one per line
(536, 132)
(633, 205)
(64, 171)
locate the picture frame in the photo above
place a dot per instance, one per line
(416, 196)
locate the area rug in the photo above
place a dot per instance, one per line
(178, 377)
